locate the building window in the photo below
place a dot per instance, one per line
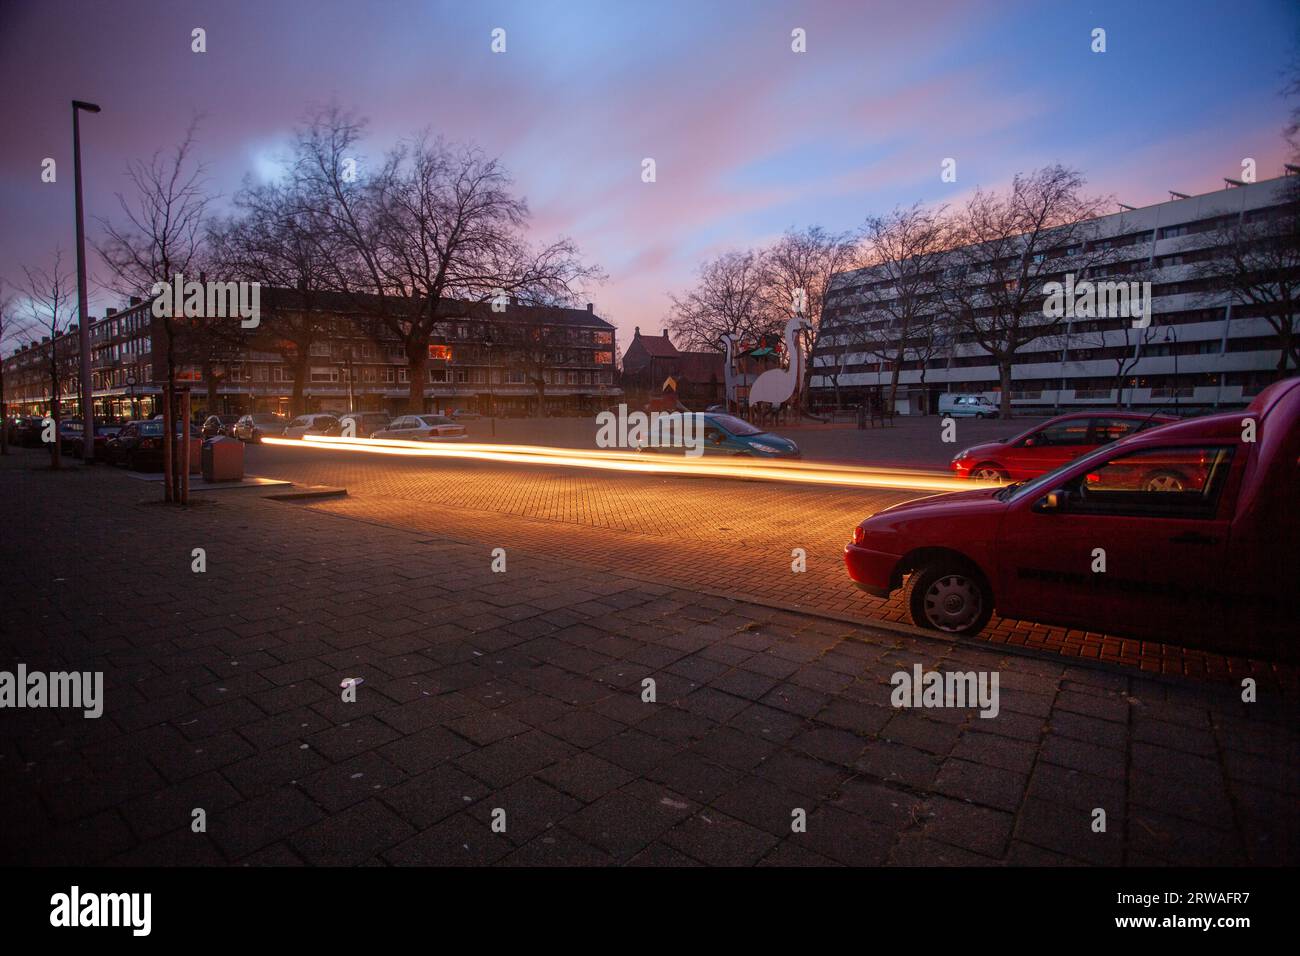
(324, 376)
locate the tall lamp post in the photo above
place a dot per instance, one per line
(83, 322)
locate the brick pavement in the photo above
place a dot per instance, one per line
(723, 536)
(522, 692)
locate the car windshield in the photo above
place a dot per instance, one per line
(436, 420)
(734, 425)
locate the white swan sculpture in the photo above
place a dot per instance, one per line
(776, 385)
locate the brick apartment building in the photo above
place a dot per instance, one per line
(321, 351)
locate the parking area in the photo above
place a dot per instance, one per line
(519, 697)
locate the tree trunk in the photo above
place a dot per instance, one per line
(301, 369)
(893, 383)
(416, 363)
(56, 413)
(210, 383)
(1004, 381)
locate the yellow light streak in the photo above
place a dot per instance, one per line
(818, 473)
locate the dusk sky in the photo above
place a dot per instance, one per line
(749, 138)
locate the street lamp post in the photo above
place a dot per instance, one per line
(83, 322)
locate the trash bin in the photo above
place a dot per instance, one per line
(223, 459)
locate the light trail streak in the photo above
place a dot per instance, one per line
(816, 473)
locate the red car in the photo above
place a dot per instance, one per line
(1189, 531)
(1050, 444)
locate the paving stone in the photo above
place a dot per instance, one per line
(352, 836)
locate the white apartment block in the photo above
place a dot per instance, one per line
(1202, 350)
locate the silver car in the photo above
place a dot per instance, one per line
(422, 428)
(252, 428)
(310, 425)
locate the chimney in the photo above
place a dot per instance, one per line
(637, 333)
(135, 300)
(591, 307)
(665, 333)
(110, 311)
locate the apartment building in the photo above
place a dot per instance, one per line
(318, 353)
(1202, 349)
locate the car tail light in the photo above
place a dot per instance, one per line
(858, 535)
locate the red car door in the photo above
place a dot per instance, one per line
(1049, 447)
(1120, 553)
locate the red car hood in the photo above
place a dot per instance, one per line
(987, 448)
(969, 502)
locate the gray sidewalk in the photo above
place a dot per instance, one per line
(522, 692)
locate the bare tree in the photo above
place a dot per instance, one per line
(162, 236)
(731, 298)
(6, 331)
(277, 240)
(1117, 341)
(906, 248)
(51, 302)
(1006, 247)
(1257, 260)
(798, 269)
(435, 228)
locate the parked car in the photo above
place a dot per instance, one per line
(317, 424)
(215, 425)
(1050, 444)
(729, 435)
(422, 428)
(967, 406)
(28, 429)
(1196, 524)
(103, 433)
(139, 445)
(69, 431)
(252, 428)
(364, 424)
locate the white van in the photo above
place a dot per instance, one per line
(966, 406)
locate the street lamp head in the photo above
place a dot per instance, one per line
(83, 105)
